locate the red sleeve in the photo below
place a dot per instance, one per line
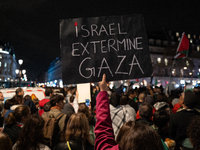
(104, 136)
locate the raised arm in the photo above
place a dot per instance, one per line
(104, 136)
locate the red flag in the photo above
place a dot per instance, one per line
(183, 47)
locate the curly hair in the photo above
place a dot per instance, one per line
(32, 134)
(194, 132)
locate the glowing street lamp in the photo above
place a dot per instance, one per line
(20, 72)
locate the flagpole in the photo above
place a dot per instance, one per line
(171, 71)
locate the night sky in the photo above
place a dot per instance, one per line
(32, 26)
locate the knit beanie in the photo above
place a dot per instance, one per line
(190, 99)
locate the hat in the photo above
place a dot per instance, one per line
(43, 102)
(190, 99)
(160, 105)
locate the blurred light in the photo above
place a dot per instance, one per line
(20, 61)
(159, 60)
(182, 81)
(184, 68)
(17, 71)
(190, 73)
(23, 71)
(8, 78)
(177, 85)
(55, 81)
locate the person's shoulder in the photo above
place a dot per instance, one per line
(61, 146)
(44, 147)
(89, 146)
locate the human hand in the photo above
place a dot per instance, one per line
(76, 94)
(103, 84)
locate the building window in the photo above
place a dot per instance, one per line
(0, 64)
(159, 60)
(187, 63)
(158, 42)
(189, 36)
(194, 36)
(179, 38)
(0, 56)
(165, 43)
(166, 62)
(151, 41)
(177, 34)
(198, 47)
(190, 40)
(5, 64)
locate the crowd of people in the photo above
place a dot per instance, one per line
(136, 119)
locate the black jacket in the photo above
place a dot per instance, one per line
(12, 132)
(133, 104)
(74, 146)
(144, 121)
(178, 125)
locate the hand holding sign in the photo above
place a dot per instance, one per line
(103, 84)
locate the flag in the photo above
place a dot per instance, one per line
(183, 47)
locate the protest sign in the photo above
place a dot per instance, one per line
(114, 45)
(83, 92)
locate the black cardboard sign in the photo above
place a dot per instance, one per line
(114, 45)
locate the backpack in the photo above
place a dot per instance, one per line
(51, 130)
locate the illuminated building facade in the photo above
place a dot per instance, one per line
(8, 65)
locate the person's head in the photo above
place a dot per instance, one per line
(20, 114)
(27, 97)
(1, 96)
(69, 90)
(71, 100)
(5, 142)
(160, 118)
(124, 99)
(31, 105)
(36, 102)
(161, 97)
(141, 97)
(32, 133)
(124, 129)
(138, 137)
(132, 93)
(190, 100)
(49, 91)
(47, 107)
(57, 100)
(115, 99)
(68, 115)
(145, 110)
(194, 132)
(85, 110)
(19, 92)
(78, 128)
(15, 100)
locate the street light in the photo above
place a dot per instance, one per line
(20, 72)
